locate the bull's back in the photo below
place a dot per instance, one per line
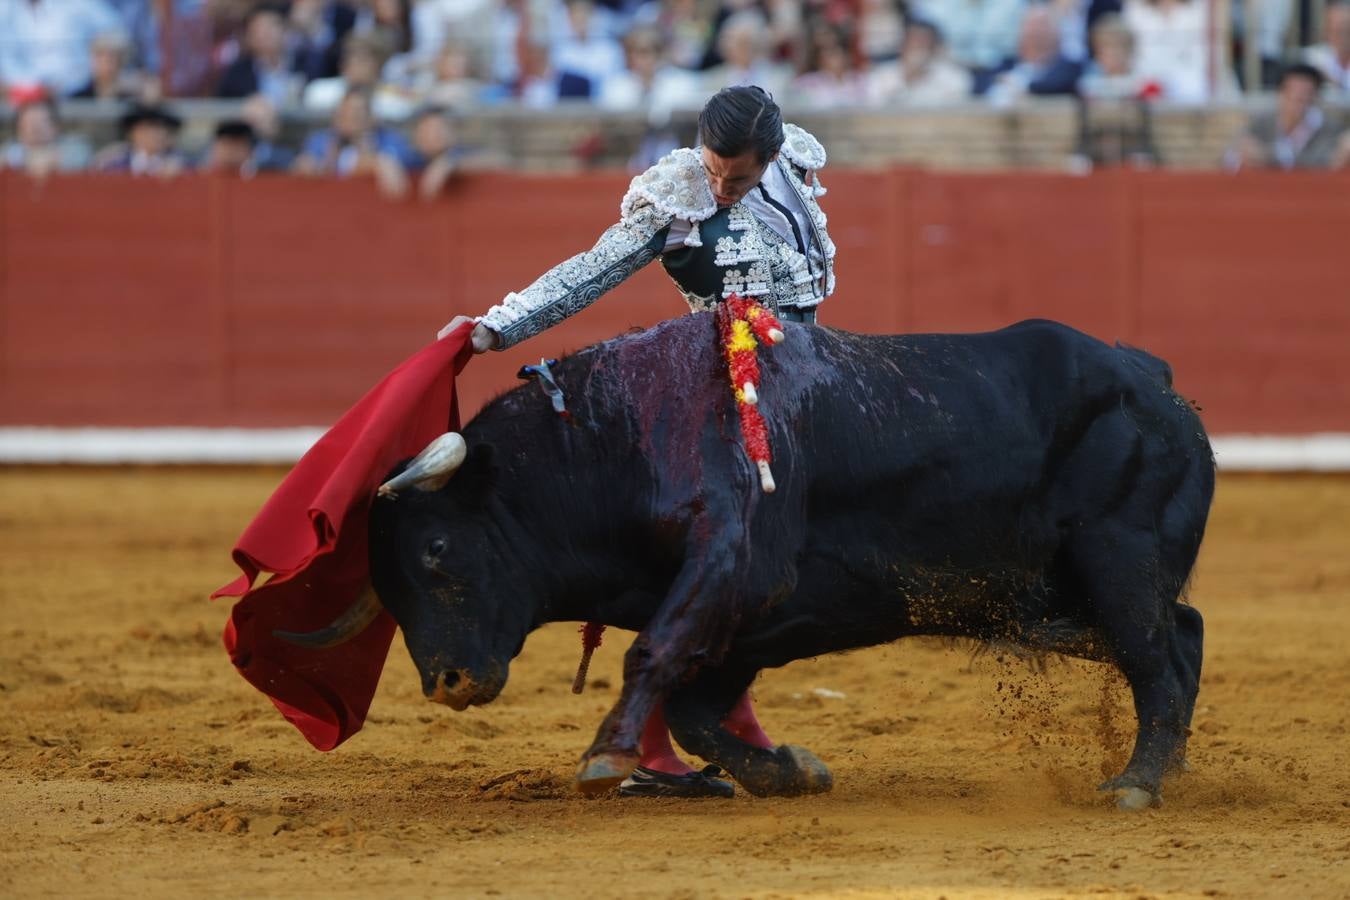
(1000, 431)
(920, 428)
(944, 399)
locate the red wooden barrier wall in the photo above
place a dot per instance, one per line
(278, 301)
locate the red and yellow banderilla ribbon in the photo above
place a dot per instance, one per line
(743, 324)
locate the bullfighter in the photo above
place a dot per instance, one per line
(737, 215)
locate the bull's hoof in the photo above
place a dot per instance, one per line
(795, 771)
(1134, 799)
(604, 771)
(1130, 796)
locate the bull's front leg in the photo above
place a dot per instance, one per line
(693, 626)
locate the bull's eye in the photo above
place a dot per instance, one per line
(436, 548)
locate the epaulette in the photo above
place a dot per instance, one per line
(676, 186)
(802, 149)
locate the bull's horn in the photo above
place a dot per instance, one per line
(432, 468)
(345, 627)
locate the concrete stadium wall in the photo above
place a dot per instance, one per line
(278, 302)
(1039, 134)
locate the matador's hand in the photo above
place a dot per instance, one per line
(482, 338)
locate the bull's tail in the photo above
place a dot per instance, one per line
(1151, 365)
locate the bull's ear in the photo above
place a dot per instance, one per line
(477, 477)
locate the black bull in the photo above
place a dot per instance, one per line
(1031, 486)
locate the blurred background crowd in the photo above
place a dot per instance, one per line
(328, 87)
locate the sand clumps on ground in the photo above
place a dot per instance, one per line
(134, 761)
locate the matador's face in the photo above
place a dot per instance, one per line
(732, 177)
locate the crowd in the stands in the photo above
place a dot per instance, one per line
(391, 76)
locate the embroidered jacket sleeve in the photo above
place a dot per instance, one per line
(575, 284)
(668, 190)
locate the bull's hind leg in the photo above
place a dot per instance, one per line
(702, 718)
(1187, 652)
(1153, 640)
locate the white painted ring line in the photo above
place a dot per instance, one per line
(111, 446)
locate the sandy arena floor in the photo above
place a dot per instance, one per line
(134, 762)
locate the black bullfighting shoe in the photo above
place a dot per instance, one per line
(646, 782)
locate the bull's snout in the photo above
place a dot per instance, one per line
(453, 688)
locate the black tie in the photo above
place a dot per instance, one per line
(792, 220)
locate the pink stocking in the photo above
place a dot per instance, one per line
(659, 754)
(741, 722)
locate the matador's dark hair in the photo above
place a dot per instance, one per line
(738, 119)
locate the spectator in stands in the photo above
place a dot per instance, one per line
(582, 53)
(518, 28)
(147, 146)
(923, 76)
(781, 28)
(436, 151)
(1076, 19)
(455, 81)
(316, 31)
(649, 84)
(45, 43)
(829, 79)
(980, 33)
(39, 148)
(881, 29)
(1332, 56)
(686, 28)
(354, 144)
(231, 150)
(1115, 125)
(265, 66)
(1039, 67)
(537, 86)
(393, 20)
(262, 117)
(1110, 74)
(743, 44)
(363, 58)
(468, 23)
(1172, 46)
(435, 157)
(109, 79)
(1296, 135)
(654, 87)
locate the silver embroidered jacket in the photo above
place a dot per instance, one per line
(726, 251)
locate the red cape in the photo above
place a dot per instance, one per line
(311, 534)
